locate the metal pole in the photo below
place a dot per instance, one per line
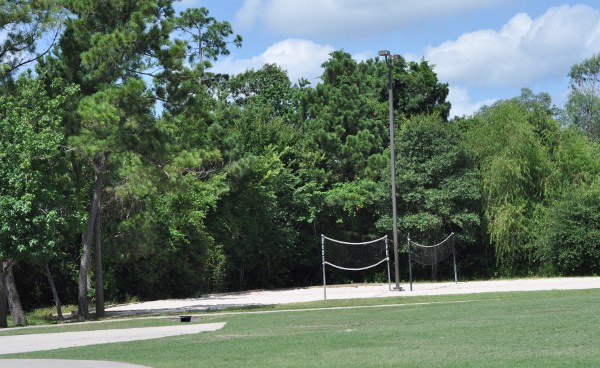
(393, 164)
(387, 255)
(409, 264)
(323, 264)
(454, 258)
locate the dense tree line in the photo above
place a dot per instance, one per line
(129, 169)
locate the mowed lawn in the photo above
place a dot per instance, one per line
(533, 329)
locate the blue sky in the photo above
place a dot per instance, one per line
(484, 49)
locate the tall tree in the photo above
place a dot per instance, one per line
(110, 127)
(105, 49)
(23, 24)
(208, 37)
(418, 90)
(184, 85)
(437, 182)
(345, 124)
(515, 169)
(33, 174)
(269, 85)
(344, 127)
(256, 219)
(566, 231)
(567, 237)
(3, 300)
(176, 186)
(583, 106)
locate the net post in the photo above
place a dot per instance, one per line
(387, 255)
(454, 258)
(323, 265)
(410, 263)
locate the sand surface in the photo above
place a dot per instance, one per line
(287, 296)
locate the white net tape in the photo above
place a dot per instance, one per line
(349, 256)
(354, 256)
(432, 254)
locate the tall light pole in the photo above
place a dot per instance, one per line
(389, 60)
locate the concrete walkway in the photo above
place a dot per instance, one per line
(58, 363)
(50, 341)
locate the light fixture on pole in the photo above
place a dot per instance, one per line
(389, 59)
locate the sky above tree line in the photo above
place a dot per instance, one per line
(484, 49)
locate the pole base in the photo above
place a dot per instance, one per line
(398, 288)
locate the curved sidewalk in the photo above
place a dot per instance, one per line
(58, 363)
(12, 344)
(50, 341)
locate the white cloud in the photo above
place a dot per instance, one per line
(300, 58)
(462, 104)
(350, 18)
(523, 51)
(248, 14)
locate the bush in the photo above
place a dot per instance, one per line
(568, 240)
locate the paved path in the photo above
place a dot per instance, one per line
(58, 363)
(49, 341)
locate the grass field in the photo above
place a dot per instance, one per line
(533, 329)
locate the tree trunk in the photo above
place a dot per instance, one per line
(3, 300)
(54, 292)
(200, 58)
(98, 273)
(14, 302)
(86, 255)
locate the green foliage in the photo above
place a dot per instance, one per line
(583, 106)
(418, 91)
(568, 235)
(437, 184)
(532, 171)
(22, 24)
(231, 185)
(267, 86)
(255, 220)
(209, 38)
(255, 224)
(575, 161)
(34, 208)
(515, 168)
(345, 124)
(113, 120)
